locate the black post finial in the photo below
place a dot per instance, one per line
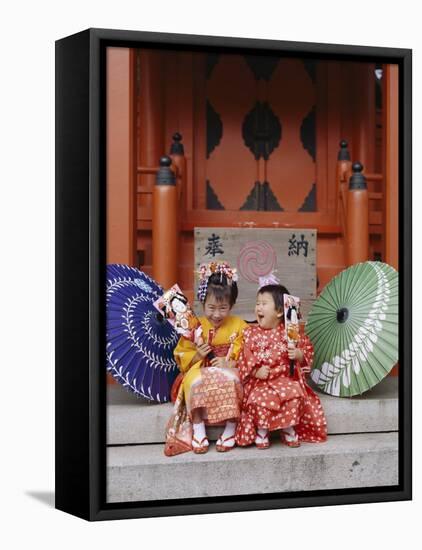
(343, 154)
(357, 179)
(177, 147)
(165, 176)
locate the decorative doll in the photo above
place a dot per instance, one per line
(291, 317)
(175, 307)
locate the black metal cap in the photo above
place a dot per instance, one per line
(177, 147)
(357, 179)
(165, 176)
(343, 154)
(342, 315)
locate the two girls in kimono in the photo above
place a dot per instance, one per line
(238, 376)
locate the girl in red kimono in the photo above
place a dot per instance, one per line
(272, 399)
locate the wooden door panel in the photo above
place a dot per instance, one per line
(261, 134)
(230, 167)
(291, 167)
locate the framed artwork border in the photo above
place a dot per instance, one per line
(80, 278)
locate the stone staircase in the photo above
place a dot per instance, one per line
(361, 451)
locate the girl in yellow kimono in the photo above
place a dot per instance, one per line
(211, 384)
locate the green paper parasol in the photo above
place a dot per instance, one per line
(353, 326)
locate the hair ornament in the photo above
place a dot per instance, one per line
(206, 270)
(269, 279)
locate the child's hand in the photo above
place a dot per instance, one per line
(203, 350)
(219, 362)
(263, 372)
(294, 354)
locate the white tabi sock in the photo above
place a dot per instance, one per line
(262, 433)
(229, 431)
(290, 433)
(199, 434)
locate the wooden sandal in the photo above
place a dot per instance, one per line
(221, 448)
(264, 443)
(201, 449)
(290, 443)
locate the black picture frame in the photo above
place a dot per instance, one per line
(80, 257)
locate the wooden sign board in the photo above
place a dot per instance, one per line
(291, 253)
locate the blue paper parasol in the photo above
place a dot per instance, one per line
(140, 342)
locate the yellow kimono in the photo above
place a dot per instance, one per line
(217, 391)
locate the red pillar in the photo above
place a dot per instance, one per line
(151, 129)
(165, 230)
(121, 195)
(391, 194)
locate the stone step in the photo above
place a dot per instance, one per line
(143, 472)
(133, 421)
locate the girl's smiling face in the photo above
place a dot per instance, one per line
(216, 310)
(266, 314)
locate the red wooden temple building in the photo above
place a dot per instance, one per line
(255, 141)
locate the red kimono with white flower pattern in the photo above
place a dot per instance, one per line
(280, 401)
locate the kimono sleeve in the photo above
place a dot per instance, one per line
(183, 353)
(247, 363)
(305, 345)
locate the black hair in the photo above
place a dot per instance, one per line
(277, 292)
(221, 290)
(180, 297)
